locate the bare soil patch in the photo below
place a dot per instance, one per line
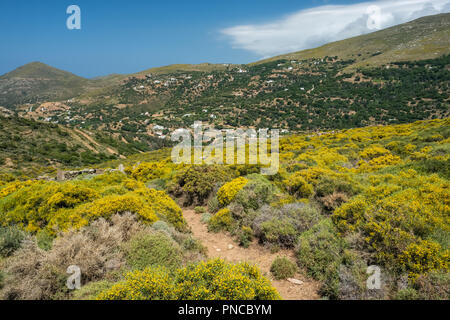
(221, 245)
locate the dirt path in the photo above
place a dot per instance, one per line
(221, 245)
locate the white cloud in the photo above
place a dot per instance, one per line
(314, 27)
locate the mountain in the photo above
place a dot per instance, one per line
(38, 82)
(39, 70)
(424, 38)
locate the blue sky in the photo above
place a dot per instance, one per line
(130, 36)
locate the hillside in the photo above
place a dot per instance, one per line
(314, 94)
(424, 38)
(29, 146)
(203, 67)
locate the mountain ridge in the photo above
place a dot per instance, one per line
(440, 20)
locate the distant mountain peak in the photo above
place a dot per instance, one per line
(40, 70)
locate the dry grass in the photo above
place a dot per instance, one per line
(36, 274)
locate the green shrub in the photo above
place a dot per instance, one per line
(2, 278)
(279, 232)
(213, 205)
(192, 244)
(44, 240)
(433, 286)
(407, 294)
(157, 184)
(196, 183)
(257, 192)
(283, 268)
(91, 290)
(430, 166)
(10, 240)
(329, 187)
(206, 217)
(282, 226)
(320, 252)
(162, 226)
(199, 210)
(154, 249)
(245, 236)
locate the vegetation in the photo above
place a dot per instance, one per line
(283, 268)
(212, 280)
(376, 195)
(363, 178)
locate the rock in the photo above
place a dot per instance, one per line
(60, 176)
(218, 250)
(295, 281)
(113, 264)
(230, 246)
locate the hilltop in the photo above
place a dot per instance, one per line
(38, 82)
(39, 70)
(424, 38)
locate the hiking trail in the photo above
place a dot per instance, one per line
(222, 245)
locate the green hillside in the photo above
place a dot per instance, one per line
(30, 146)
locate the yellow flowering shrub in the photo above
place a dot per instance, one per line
(373, 151)
(229, 190)
(163, 206)
(210, 280)
(410, 148)
(296, 185)
(218, 280)
(147, 171)
(313, 174)
(222, 220)
(109, 205)
(70, 195)
(350, 214)
(131, 184)
(33, 206)
(150, 284)
(72, 204)
(15, 186)
(423, 257)
(395, 213)
(379, 162)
